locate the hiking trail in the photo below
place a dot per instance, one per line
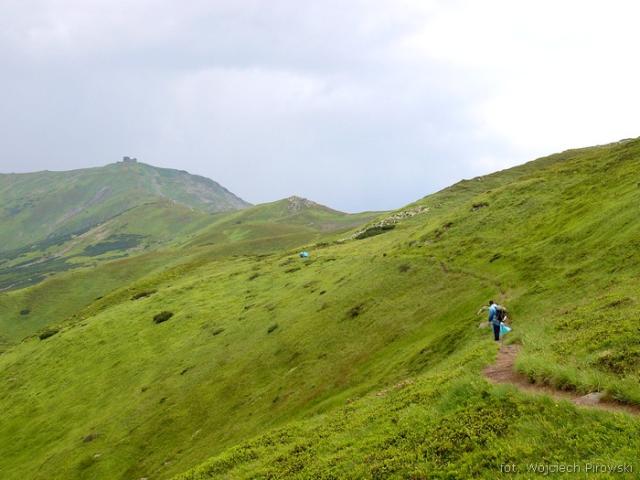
(503, 372)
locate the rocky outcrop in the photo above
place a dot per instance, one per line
(297, 204)
(389, 223)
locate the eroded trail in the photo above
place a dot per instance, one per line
(503, 371)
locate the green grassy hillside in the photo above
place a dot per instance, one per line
(138, 229)
(286, 223)
(363, 361)
(70, 276)
(51, 206)
(52, 222)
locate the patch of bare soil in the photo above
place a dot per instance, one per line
(503, 372)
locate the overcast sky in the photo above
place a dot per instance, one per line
(359, 105)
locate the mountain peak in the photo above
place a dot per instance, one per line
(297, 204)
(179, 186)
(32, 201)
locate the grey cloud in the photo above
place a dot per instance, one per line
(268, 98)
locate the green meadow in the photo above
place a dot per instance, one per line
(363, 361)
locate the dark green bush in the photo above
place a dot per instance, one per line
(372, 231)
(355, 311)
(25, 311)
(478, 206)
(123, 241)
(91, 437)
(162, 317)
(49, 332)
(143, 294)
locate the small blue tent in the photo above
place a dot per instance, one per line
(304, 254)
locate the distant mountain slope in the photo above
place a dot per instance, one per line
(139, 229)
(51, 205)
(288, 222)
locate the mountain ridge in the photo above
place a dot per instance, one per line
(42, 205)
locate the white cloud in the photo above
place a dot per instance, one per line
(556, 74)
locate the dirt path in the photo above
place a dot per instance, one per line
(502, 371)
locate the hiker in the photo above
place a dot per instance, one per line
(497, 314)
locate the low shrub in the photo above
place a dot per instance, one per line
(143, 294)
(478, 206)
(355, 311)
(123, 241)
(49, 332)
(25, 311)
(91, 437)
(162, 317)
(272, 328)
(372, 231)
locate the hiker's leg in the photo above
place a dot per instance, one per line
(496, 332)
